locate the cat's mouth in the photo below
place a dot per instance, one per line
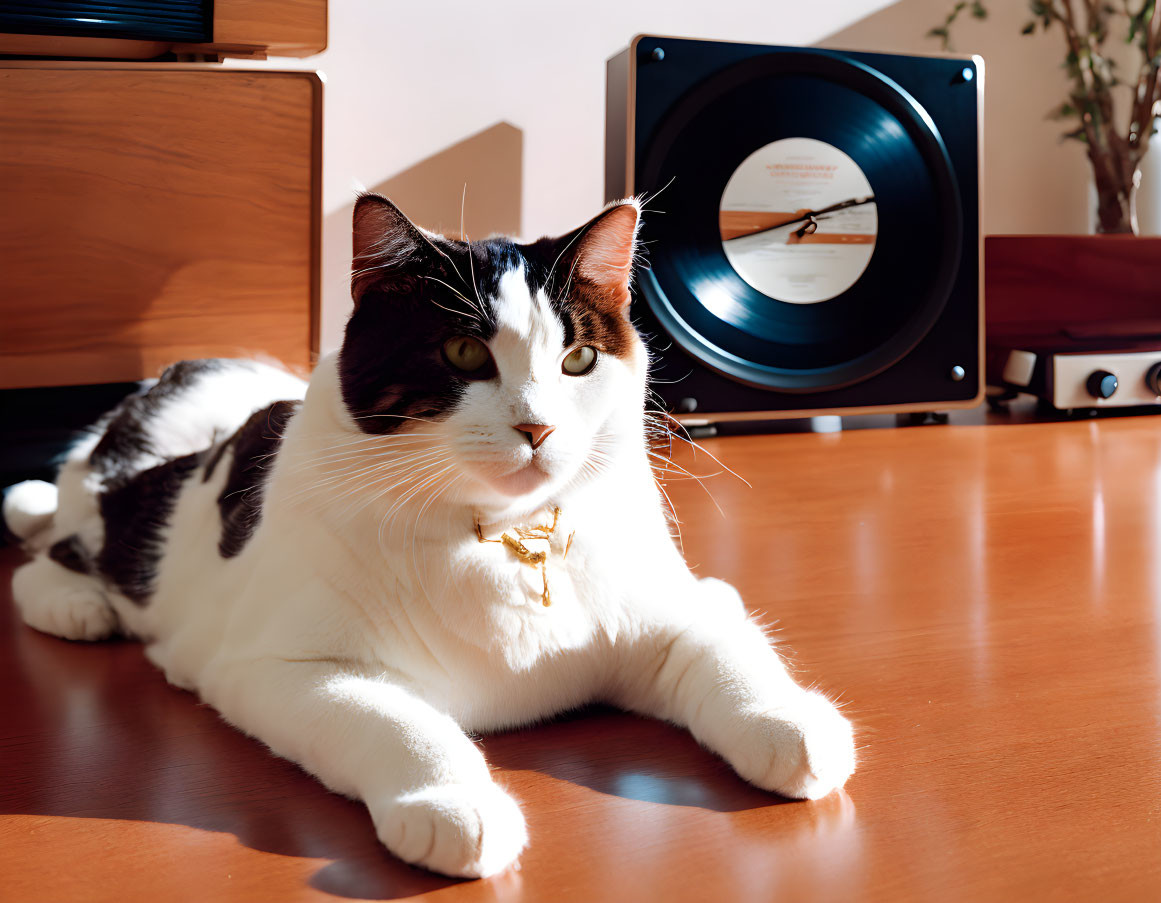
(521, 481)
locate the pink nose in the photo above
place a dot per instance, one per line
(535, 432)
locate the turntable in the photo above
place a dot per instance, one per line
(812, 226)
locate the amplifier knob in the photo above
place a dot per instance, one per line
(1153, 379)
(1101, 384)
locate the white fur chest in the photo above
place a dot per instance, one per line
(517, 596)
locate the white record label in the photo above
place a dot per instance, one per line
(798, 221)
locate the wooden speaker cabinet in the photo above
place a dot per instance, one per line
(154, 212)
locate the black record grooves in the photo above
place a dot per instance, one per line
(717, 316)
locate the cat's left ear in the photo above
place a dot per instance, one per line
(389, 251)
(600, 253)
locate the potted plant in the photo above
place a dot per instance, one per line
(1115, 144)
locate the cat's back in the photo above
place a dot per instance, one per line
(202, 423)
(191, 407)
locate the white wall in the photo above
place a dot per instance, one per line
(406, 79)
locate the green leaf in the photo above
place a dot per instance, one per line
(1029, 28)
(979, 11)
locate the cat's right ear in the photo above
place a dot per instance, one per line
(389, 250)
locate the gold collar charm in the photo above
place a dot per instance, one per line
(515, 544)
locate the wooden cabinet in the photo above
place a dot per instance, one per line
(150, 213)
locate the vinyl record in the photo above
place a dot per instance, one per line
(814, 231)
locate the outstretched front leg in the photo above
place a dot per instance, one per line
(702, 663)
(425, 783)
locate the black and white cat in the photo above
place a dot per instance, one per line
(454, 528)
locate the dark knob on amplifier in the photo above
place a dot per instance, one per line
(1153, 379)
(1101, 384)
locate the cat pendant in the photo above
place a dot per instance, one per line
(515, 544)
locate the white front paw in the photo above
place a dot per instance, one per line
(803, 751)
(464, 830)
(55, 600)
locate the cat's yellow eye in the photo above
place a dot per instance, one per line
(470, 356)
(580, 361)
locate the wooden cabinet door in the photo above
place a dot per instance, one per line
(154, 213)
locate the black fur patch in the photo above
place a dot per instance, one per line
(135, 512)
(391, 366)
(254, 446)
(69, 553)
(126, 436)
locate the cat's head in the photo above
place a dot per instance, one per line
(512, 367)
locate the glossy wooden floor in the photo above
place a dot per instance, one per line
(985, 599)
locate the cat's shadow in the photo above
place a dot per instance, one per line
(623, 755)
(150, 753)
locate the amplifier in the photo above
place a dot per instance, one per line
(1074, 319)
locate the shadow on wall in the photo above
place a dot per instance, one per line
(479, 179)
(1032, 182)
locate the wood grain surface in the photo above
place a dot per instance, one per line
(984, 599)
(1073, 286)
(280, 27)
(152, 214)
